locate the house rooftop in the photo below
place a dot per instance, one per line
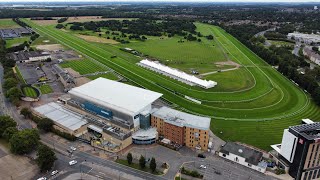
(252, 156)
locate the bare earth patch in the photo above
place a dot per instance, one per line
(50, 47)
(231, 63)
(97, 39)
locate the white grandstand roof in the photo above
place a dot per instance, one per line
(181, 119)
(179, 74)
(62, 116)
(120, 96)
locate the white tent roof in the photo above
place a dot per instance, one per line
(116, 95)
(179, 74)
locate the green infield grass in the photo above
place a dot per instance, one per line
(255, 115)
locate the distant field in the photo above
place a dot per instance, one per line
(16, 41)
(84, 66)
(8, 23)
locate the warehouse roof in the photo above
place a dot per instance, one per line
(181, 119)
(116, 95)
(62, 116)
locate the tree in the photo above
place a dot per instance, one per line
(24, 141)
(316, 95)
(129, 158)
(9, 132)
(45, 124)
(153, 164)
(6, 122)
(210, 37)
(26, 112)
(10, 83)
(45, 158)
(142, 162)
(59, 26)
(14, 95)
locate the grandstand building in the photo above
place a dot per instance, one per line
(176, 74)
(125, 105)
(182, 128)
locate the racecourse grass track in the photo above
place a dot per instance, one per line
(255, 115)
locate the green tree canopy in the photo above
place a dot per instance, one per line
(45, 124)
(153, 164)
(45, 158)
(142, 162)
(24, 141)
(26, 112)
(6, 122)
(129, 158)
(9, 132)
(10, 83)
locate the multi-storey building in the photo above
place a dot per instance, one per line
(300, 150)
(182, 128)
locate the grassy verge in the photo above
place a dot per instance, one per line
(45, 88)
(19, 75)
(136, 166)
(30, 92)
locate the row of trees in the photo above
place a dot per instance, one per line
(26, 141)
(139, 26)
(142, 162)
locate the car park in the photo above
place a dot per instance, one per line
(73, 162)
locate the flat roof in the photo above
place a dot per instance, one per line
(181, 119)
(309, 131)
(62, 116)
(117, 95)
(145, 134)
(252, 156)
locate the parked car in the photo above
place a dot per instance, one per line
(73, 162)
(203, 166)
(201, 156)
(69, 150)
(73, 148)
(54, 172)
(42, 178)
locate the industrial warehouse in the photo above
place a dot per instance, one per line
(112, 115)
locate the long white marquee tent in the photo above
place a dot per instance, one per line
(178, 74)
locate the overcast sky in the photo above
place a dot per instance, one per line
(160, 0)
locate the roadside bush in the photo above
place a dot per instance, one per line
(65, 135)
